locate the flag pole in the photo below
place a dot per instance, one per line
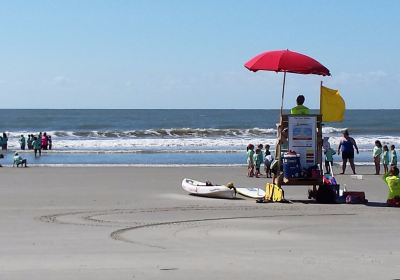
(283, 91)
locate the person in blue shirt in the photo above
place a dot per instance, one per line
(346, 146)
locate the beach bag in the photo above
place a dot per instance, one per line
(273, 193)
(329, 180)
(393, 202)
(327, 193)
(355, 197)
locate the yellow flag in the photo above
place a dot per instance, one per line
(332, 105)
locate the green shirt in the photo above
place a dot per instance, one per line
(37, 144)
(376, 151)
(393, 183)
(257, 159)
(250, 154)
(329, 154)
(300, 110)
(385, 157)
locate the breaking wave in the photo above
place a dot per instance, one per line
(158, 133)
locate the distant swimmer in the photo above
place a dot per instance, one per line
(300, 109)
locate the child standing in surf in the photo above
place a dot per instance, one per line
(267, 162)
(329, 159)
(393, 156)
(377, 154)
(250, 160)
(258, 159)
(385, 158)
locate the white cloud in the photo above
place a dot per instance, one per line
(369, 78)
(62, 81)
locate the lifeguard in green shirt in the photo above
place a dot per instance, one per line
(300, 109)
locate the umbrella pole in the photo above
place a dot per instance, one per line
(278, 151)
(283, 91)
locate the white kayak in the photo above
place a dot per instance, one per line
(251, 192)
(201, 189)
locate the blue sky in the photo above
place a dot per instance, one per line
(190, 54)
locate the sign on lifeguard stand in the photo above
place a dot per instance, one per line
(302, 138)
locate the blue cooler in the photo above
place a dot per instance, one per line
(291, 166)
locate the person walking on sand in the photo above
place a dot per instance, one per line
(385, 159)
(393, 156)
(377, 154)
(300, 109)
(346, 146)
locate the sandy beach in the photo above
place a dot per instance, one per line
(138, 223)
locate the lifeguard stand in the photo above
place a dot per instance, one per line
(309, 181)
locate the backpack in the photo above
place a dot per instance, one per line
(273, 193)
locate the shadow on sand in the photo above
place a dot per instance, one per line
(376, 204)
(312, 201)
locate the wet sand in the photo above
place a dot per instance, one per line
(138, 223)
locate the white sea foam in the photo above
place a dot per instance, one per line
(331, 130)
(152, 143)
(182, 140)
(148, 165)
(367, 142)
(223, 143)
(129, 165)
(155, 133)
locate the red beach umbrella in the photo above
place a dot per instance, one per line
(286, 61)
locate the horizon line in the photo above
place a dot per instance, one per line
(313, 109)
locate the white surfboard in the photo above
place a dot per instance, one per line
(202, 189)
(251, 192)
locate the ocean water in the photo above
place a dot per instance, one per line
(174, 137)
